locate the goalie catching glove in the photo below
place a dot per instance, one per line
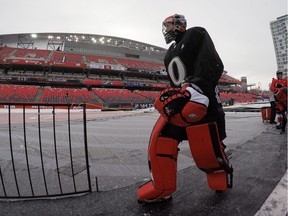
(182, 106)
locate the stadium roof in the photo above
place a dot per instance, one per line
(81, 37)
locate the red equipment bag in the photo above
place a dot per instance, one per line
(266, 113)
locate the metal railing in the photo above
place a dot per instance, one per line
(41, 153)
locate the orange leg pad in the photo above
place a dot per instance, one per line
(201, 146)
(167, 146)
(219, 181)
(163, 183)
(164, 173)
(162, 154)
(148, 191)
(204, 141)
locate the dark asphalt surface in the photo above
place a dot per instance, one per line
(259, 164)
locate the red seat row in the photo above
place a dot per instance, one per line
(238, 97)
(31, 53)
(25, 93)
(5, 51)
(66, 95)
(120, 96)
(59, 56)
(15, 93)
(66, 57)
(151, 95)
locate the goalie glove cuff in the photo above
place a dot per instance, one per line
(196, 94)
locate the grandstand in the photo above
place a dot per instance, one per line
(102, 71)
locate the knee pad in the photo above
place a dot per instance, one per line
(162, 156)
(208, 153)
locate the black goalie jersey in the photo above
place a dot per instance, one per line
(193, 58)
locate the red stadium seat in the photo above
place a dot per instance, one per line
(66, 57)
(31, 53)
(68, 95)
(17, 93)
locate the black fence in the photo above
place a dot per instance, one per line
(41, 153)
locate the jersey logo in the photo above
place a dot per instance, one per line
(177, 71)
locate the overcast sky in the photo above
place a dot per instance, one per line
(240, 29)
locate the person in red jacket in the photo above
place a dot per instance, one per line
(278, 83)
(279, 88)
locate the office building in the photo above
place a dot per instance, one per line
(279, 35)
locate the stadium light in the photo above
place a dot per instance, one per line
(34, 35)
(102, 40)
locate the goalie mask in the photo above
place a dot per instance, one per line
(172, 25)
(182, 106)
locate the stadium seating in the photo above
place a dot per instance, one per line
(69, 59)
(67, 95)
(62, 57)
(100, 59)
(25, 93)
(128, 63)
(66, 57)
(31, 53)
(238, 97)
(5, 51)
(15, 93)
(150, 95)
(120, 96)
